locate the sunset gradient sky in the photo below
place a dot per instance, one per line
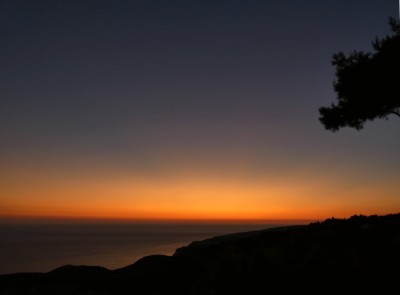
(187, 110)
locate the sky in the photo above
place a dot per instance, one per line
(177, 110)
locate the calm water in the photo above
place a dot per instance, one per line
(43, 247)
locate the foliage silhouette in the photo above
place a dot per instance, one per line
(367, 84)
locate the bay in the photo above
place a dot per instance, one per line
(43, 247)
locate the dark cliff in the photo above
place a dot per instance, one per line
(356, 255)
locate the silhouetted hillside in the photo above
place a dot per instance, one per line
(359, 255)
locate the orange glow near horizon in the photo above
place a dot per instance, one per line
(190, 197)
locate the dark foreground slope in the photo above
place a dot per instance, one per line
(360, 255)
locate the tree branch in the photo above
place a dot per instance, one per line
(396, 113)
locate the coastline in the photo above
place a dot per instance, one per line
(359, 253)
(109, 245)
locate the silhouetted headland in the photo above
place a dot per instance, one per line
(338, 256)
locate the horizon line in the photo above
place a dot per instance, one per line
(117, 220)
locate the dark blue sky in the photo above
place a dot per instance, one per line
(163, 88)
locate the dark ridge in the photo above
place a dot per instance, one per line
(147, 265)
(337, 256)
(80, 270)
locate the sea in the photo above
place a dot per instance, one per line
(43, 247)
